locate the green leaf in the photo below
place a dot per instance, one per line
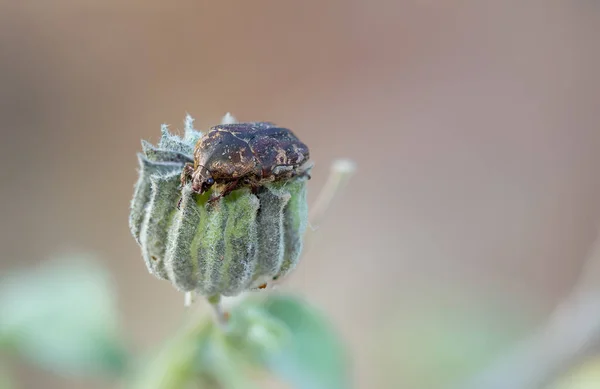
(308, 354)
(256, 333)
(199, 356)
(225, 365)
(582, 376)
(444, 339)
(175, 364)
(6, 381)
(62, 316)
(277, 334)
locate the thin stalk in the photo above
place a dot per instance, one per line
(340, 173)
(219, 312)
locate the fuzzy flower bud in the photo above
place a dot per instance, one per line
(224, 247)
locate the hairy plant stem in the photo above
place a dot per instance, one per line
(219, 312)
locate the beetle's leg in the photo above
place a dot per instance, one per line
(295, 174)
(186, 173)
(288, 174)
(254, 185)
(233, 185)
(230, 187)
(304, 174)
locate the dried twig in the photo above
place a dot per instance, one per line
(571, 331)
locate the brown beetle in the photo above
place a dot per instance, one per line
(245, 154)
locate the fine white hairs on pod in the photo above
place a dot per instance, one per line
(224, 247)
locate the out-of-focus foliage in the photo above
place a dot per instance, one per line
(62, 316)
(280, 335)
(309, 353)
(6, 381)
(442, 344)
(585, 376)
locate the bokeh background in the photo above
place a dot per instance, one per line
(474, 125)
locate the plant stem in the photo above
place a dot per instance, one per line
(220, 314)
(340, 173)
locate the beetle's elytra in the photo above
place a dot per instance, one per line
(245, 155)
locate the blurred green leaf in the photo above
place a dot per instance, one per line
(277, 334)
(62, 316)
(6, 381)
(303, 349)
(226, 365)
(583, 376)
(256, 333)
(175, 365)
(199, 356)
(443, 341)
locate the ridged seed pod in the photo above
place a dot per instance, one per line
(233, 243)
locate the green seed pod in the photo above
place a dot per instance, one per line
(216, 242)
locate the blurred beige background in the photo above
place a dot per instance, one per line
(474, 125)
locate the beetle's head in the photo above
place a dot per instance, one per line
(202, 180)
